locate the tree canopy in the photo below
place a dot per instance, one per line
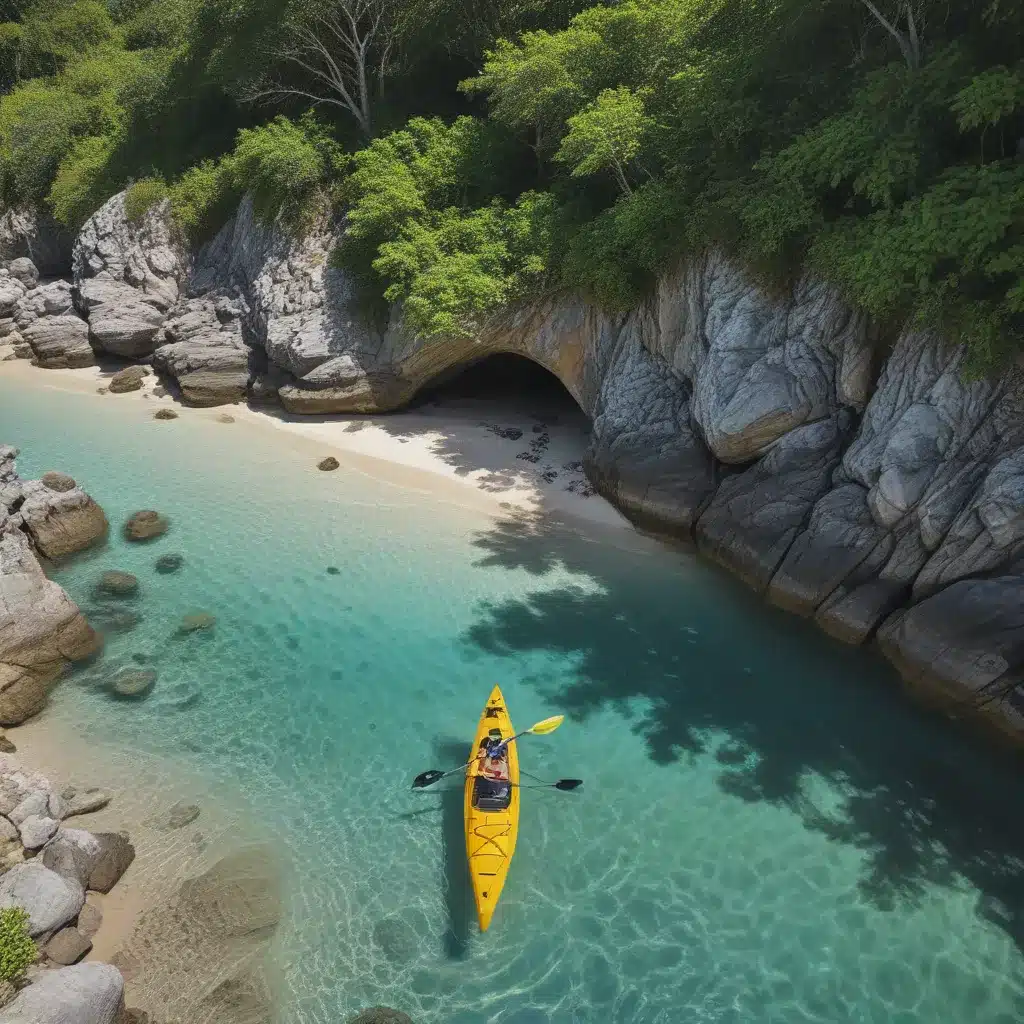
(485, 151)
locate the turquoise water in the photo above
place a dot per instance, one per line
(768, 831)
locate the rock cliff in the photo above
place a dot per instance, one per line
(859, 480)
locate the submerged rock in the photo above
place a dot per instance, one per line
(118, 583)
(133, 682)
(165, 414)
(381, 1015)
(178, 816)
(169, 563)
(196, 621)
(145, 525)
(113, 618)
(328, 464)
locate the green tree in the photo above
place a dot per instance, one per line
(606, 135)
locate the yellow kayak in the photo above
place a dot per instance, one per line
(491, 809)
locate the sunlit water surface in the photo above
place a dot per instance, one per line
(768, 831)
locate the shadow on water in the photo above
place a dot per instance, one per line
(457, 895)
(775, 703)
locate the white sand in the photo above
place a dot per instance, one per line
(452, 441)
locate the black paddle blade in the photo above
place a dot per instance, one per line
(427, 779)
(568, 784)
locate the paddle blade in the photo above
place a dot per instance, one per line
(548, 725)
(427, 779)
(567, 784)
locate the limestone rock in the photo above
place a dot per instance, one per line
(165, 414)
(128, 379)
(118, 583)
(966, 641)
(50, 900)
(24, 270)
(61, 522)
(36, 802)
(328, 464)
(127, 277)
(86, 801)
(37, 830)
(67, 947)
(60, 342)
(41, 630)
(205, 352)
(926, 442)
(755, 515)
(90, 917)
(145, 525)
(11, 294)
(760, 365)
(89, 993)
(7, 353)
(94, 862)
(643, 454)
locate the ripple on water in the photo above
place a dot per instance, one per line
(766, 834)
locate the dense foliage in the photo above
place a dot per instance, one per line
(486, 149)
(17, 950)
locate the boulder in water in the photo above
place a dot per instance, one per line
(196, 621)
(118, 583)
(133, 682)
(225, 418)
(145, 525)
(381, 1015)
(170, 562)
(165, 414)
(57, 481)
(328, 464)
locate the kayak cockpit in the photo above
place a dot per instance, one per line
(491, 794)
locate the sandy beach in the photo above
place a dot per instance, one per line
(489, 454)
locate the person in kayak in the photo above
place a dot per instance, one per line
(495, 748)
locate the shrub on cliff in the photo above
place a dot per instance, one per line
(17, 950)
(142, 197)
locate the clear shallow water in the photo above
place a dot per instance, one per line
(768, 832)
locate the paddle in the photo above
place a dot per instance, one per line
(563, 784)
(428, 778)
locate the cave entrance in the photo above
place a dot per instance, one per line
(505, 384)
(528, 409)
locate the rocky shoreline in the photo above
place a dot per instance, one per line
(853, 478)
(197, 946)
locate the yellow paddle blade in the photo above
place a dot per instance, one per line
(548, 725)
